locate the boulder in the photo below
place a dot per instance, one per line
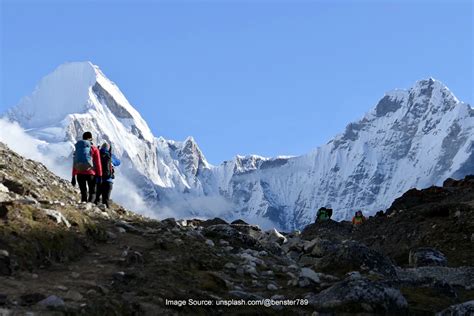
(293, 243)
(58, 217)
(359, 296)
(130, 228)
(449, 182)
(3, 189)
(214, 221)
(52, 301)
(466, 308)
(308, 245)
(354, 256)
(328, 230)
(169, 222)
(253, 231)
(425, 256)
(310, 274)
(230, 266)
(322, 247)
(230, 234)
(456, 277)
(250, 258)
(272, 236)
(272, 287)
(73, 295)
(239, 222)
(307, 261)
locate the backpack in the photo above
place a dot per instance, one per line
(357, 220)
(323, 214)
(82, 156)
(107, 167)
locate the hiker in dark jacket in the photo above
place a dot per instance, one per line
(109, 161)
(87, 167)
(323, 214)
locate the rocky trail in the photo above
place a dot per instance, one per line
(60, 257)
(75, 282)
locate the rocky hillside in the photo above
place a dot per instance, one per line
(61, 257)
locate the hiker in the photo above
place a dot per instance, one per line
(323, 214)
(109, 161)
(358, 218)
(87, 167)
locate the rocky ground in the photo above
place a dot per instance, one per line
(60, 257)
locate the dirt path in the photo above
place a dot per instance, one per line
(79, 281)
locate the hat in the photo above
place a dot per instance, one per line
(105, 145)
(87, 135)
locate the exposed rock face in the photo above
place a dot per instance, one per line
(360, 296)
(454, 277)
(426, 257)
(466, 308)
(436, 217)
(332, 230)
(352, 256)
(230, 234)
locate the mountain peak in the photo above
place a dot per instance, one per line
(189, 141)
(431, 95)
(62, 92)
(427, 86)
(76, 88)
(427, 81)
(427, 93)
(77, 65)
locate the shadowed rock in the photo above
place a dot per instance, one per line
(360, 296)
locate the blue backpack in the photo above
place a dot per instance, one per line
(82, 156)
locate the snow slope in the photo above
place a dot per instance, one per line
(412, 138)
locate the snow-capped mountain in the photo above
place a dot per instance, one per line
(77, 97)
(412, 138)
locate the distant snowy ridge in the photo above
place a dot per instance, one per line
(412, 138)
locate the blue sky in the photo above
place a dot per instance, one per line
(243, 77)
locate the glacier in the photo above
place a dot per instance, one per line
(411, 138)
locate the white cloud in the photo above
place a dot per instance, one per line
(127, 194)
(19, 141)
(57, 158)
(203, 206)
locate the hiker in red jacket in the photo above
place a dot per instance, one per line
(87, 167)
(358, 219)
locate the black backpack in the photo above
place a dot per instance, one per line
(107, 166)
